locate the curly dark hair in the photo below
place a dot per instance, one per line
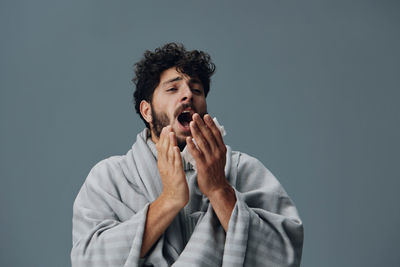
(148, 70)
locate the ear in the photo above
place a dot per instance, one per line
(145, 110)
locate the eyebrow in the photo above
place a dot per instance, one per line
(179, 78)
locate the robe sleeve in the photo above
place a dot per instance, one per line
(264, 228)
(106, 230)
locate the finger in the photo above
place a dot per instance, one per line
(172, 139)
(214, 129)
(160, 144)
(201, 142)
(171, 153)
(207, 133)
(177, 158)
(197, 155)
(160, 140)
(201, 136)
(174, 144)
(165, 144)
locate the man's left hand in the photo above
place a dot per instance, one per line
(210, 156)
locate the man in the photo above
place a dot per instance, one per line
(151, 207)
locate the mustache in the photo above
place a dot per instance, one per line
(182, 107)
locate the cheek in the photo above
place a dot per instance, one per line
(171, 111)
(202, 105)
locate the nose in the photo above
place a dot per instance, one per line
(187, 94)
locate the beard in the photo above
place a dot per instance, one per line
(161, 120)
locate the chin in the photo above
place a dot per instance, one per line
(181, 138)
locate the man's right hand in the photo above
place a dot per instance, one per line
(175, 194)
(170, 166)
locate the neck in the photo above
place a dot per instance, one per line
(154, 138)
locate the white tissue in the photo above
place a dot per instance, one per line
(186, 154)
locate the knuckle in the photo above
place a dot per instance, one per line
(220, 154)
(200, 141)
(223, 149)
(207, 165)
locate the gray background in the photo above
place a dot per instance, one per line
(311, 88)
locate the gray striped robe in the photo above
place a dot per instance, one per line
(110, 211)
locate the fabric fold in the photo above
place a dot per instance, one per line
(110, 212)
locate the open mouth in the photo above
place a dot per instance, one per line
(185, 118)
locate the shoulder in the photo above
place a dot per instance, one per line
(252, 173)
(105, 172)
(109, 164)
(245, 160)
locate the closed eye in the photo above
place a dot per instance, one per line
(171, 89)
(197, 91)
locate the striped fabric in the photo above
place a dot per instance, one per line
(110, 211)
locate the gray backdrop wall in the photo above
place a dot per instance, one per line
(311, 88)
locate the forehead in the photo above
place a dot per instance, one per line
(172, 75)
